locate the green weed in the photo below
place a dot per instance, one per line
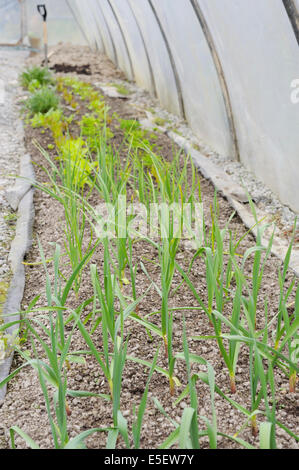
(36, 77)
(42, 101)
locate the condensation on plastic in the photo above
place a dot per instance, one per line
(10, 21)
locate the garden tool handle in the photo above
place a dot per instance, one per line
(42, 11)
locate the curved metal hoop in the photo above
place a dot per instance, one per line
(224, 88)
(172, 61)
(293, 15)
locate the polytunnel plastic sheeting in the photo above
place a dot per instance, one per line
(297, 4)
(79, 19)
(95, 7)
(10, 21)
(229, 67)
(136, 46)
(123, 57)
(82, 20)
(103, 30)
(107, 36)
(94, 30)
(202, 96)
(100, 37)
(260, 58)
(60, 22)
(86, 18)
(158, 55)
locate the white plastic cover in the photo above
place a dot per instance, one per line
(260, 58)
(258, 52)
(122, 54)
(162, 70)
(87, 21)
(231, 61)
(203, 102)
(10, 21)
(61, 23)
(135, 44)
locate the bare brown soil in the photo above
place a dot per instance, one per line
(24, 405)
(66, 68)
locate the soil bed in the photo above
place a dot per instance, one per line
(24, 405)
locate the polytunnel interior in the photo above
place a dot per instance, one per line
(229, 68)
(149, 256)
(225, 66)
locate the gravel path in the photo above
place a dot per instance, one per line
(11, 148)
